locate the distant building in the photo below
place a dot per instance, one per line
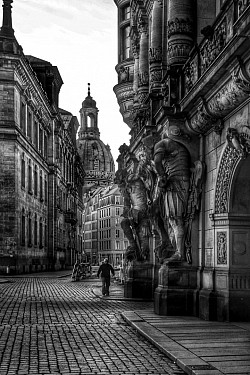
(103, 236)
(41, 175)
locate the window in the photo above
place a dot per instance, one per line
(46, 235)
(40, 234)
(35, 231)
(117, 233)
(29, 230)
(29, 178)
(29, 124)
(35, 134)
(23, 117)
(117, 211)
(45, 146)
(35, 181)
(125, 42)
(23, 172)
(41, 186)
(23, 228)
(46, 191)
(125, 13)
(117, 245)
(41, 140)
(117, 200)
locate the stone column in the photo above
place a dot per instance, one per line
(143, 60)
(135, 49)
(180, 30)
(155, 50)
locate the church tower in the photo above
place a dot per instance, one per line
(96, 157)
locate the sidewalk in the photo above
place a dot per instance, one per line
(197, 346)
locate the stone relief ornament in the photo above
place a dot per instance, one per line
(226, 100)
(123, 74)
(180, 26)
(155, 54)
(203, 120)
(242, 5)
(221, 248)
(215, 42)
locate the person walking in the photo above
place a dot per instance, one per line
(105, 270)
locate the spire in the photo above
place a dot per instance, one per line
(88, 89)
(6, 29)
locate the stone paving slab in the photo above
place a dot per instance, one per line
(198, 347)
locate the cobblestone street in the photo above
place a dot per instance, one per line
(56, 326)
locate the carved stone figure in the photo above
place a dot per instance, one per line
(172, 163)
(136, 224)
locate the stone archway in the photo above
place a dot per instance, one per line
(232, 236)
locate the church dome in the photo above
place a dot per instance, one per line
(96, 157)
(89, 102)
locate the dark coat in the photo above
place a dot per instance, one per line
(105, 269)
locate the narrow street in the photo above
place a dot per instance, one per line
(56, 326)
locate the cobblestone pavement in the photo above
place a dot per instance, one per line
(56, 326)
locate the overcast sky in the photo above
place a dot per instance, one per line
(80, 38)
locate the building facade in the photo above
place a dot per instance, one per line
(41, 175)
(183, 89)
(103, 234)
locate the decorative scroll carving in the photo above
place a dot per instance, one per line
(226, 100)
(230, 96)
(203, 120)
(221, 248)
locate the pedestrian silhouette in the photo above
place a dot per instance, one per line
(105, 270)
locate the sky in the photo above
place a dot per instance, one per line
(80, 38)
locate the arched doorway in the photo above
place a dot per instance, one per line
(232, 237)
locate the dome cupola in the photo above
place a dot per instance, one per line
(96, 157)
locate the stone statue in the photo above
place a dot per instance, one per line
(172, 164)
(136, 223)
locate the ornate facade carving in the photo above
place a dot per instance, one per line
(213, 46)
(238, 147)
(180, 26)
(222, 248)
(226, 100)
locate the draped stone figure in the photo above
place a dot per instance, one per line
(135, 223)
(172, 163)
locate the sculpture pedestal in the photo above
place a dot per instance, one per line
(177, 292)
(138, 283)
